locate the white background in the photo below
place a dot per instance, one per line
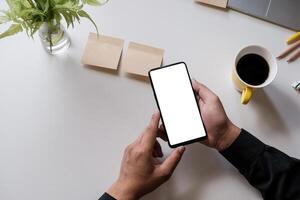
(177, 104)
(63, 126)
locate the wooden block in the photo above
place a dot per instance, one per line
(102, 51)
(218, 3)
(141, 58)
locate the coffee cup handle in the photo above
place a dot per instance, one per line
(246, 95)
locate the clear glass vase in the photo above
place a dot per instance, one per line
(54, 38)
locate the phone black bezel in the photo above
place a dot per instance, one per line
(196, 101)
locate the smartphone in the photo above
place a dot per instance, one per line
(176, 100)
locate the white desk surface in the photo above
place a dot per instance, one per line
(63, 126)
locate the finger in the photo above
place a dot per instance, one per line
(201, 103)
(169, 165)
(149, 136)
(162, 133)
(162, 127)
(157, 152)
(156, 161)
(139, 139)
(203, 92)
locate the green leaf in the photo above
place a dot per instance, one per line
(40, 4)
(4, 19)
(57, 17)
(67, 17)
(84, 14)
(28, 15)
(94, 2)
(30, 2)
(36, 28)
(47, 6)
(31, 12)
(26, 4)
(15, 5)
(13, 29)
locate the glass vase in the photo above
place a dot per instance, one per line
(54, 38)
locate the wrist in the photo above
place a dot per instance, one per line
(121, 191)
(228, 137)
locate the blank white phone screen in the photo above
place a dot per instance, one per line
(177, 104)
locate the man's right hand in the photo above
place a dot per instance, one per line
(141, 172)
(221, 132)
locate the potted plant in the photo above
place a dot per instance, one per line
(46, 17)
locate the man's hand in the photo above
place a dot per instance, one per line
(221, 131)
(141, 172)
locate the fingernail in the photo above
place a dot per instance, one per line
(156, 112)
(181, 149)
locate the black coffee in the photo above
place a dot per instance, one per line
(253, 69)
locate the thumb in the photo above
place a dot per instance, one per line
(169, 165)
(204, 93)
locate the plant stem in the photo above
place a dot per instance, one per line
(50, 32)
(50, 41)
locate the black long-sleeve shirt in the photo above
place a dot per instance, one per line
(272, 172)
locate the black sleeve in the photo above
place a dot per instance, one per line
(106, 196)
(273, 173)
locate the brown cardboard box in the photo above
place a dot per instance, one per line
(102, 51)
(141, 58)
